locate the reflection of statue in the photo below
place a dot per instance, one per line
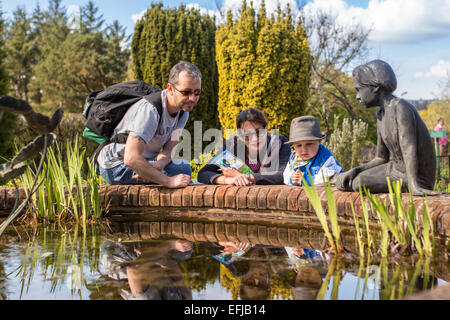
(404, 146)
(43, 125)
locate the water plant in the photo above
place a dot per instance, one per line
(401, 229)
(199, 162)
(66, 191)
(399, 232)
(59, 255)
(333, 236)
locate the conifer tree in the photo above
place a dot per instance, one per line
(4, 80)
(262, 63)
(165, 36)
(78, 57)
(53, 31)
(7, 120)
(21, 54)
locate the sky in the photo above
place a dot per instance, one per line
(413, 36)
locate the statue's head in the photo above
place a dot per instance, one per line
(371, 79)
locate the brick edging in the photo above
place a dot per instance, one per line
(256, 198)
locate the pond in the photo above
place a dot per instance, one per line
(150, 260)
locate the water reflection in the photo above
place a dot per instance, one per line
(150, 268)
(161, 260)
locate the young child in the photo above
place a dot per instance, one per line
(309, 154)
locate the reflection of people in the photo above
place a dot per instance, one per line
(253, 266)
(404, 149)
(232, 251)
(310, 266)
(309, 157)
(266, 155)
(442, 141)
(151, 269)
(145, 157)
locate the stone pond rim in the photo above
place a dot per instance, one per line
(234, 203)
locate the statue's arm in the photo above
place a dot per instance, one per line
(381, 155)
(407, 130)
(345, 180)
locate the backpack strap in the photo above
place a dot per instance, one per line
(153, 98)
(156, 100)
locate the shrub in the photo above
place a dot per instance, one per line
(348, 141)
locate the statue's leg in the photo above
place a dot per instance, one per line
(375, 180)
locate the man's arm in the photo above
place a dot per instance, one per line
(165, 156)
(133, 158)
(134, 149)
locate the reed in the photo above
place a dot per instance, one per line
(401, 227)
(60, 256)
(359, 236)
(333, 236)
(66, 192)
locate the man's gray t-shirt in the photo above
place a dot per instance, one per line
(142, 118)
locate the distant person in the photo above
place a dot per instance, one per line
(310, 156)
(146, 155)
(442, 141)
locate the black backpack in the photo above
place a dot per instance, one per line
(104, 109)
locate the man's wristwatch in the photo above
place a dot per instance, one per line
(248, 176)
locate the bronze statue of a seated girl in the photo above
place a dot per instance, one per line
(404, 147)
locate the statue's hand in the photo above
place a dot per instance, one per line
(344, 180)
(418, 191)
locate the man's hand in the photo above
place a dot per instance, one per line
(179, 181)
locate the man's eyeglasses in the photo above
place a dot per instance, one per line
(250, 134)
(187, 93)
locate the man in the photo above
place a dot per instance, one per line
(146, 155)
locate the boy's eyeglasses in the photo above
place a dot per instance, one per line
(187, 93)
(250, 134)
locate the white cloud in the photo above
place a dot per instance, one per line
(136, 16)
(439, 70)
(271, 7)
(73, 10)
(203, 11)
(393, 21)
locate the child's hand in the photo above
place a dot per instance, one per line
(296, 177)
